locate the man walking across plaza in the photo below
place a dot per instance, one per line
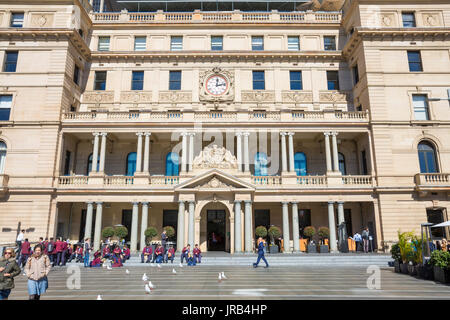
(261, 245)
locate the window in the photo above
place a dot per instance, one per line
(257, 43)
(364, 162)
(175, 80)
(355, 74)
(329, 43)
(2, 157)
(414, 61)
(89, 166)
(427, 157)
(67, 163)
(170, 218)
(5, 107)
(140, 43)
(100, 80)
(300, 164)
(296, 80)
(260, 164)
(172, 164)
(137, 81)
(17, 20)
(436, 216)
(216, 43)
(293, 43)
(131, 164)
(103, 43)
(76, 74)
(333, 80)
(420, 107)
(11, 61)
(176, 43)
(258, 80)
(409, 21)
(342, 168)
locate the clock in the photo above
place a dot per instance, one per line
(216, 85)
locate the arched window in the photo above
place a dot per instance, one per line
(131, 164)
(89, 167)
(260, 164)
(2, 157)
(172, 164)
(427, 157)
(342, 168)
(300, 164)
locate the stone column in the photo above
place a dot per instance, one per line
(335, 152)
(88, 223)
(332, 226)
(134, 226)
(102, 4)
(139, 152)
(191, 150)
(248, 230)
(98, 226)
(144, 224)
(295, 229)
(95, 153)
(246, 152)
(146, 152)
(291, 152)
(341, 217)
(327, 151)
(286, 240)
(283, 152)
(102, 152)
(191, 228)
(184, 152)
(237, 227)
(180, 226)
(239, 150)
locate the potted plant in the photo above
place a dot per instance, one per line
(261, 231)
(170, 232)
(441, 265)
(405, 246)
(108, 232)
(324, 233)
(274, 233)
(309, 233)
(417, 256)
(150, 233)
(395, 254)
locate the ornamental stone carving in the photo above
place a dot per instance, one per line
(296, 97)
(175, 96)
(215, 183)
(98, 97)
(386, 21)
(430, 19)
(215, 157)
(135, 97)
(42, 20)
(258, 96)
(333, 96)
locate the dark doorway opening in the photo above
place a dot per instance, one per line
(127, 215)
(436, 216)
(216, 228)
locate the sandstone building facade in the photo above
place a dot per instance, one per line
(221, 121)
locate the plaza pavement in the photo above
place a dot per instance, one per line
(244, 282)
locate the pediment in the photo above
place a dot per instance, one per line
(215, 180)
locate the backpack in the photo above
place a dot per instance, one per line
(50, 247)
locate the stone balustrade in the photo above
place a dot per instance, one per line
(235, 16)
(164, 180)
(72, 181)
(357, 180)
(312, 181)
(118, 180)
(432, 179)
(266, 180)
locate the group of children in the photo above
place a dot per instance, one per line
(110, 254)
(58, 251)
(161, 255)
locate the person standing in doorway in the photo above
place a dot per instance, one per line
(37, 268)
(261, 253)
(365, 238)
(8, 270)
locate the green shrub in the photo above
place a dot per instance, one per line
(150, 232)
(170, 231)
(440, 259)
(108, 232)
(395, 253)
(274, 232)
(261, 231)
(324, 233)
(405, 245)
(121, 232)
(309, 232)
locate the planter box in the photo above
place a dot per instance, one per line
(404, 268)
(273, 249)
(397, 266)
(312, 248)
(412, 270)
(441, 275)
(324, 249)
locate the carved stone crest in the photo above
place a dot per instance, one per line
(333, 96)
(430, 20)
(175, 97)
(296, 97)
(258, 96)
(228, 95)
(215, 183)
(215, 157)
(135, 97)
(98, 97)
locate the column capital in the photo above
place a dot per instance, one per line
(89, 202)
(239, 134)
(147, 134)
(100, 202)
(283, 134)
(139, 133)
(290, 133)
(191, 134)
(144, 203)
(330, 202)
(237, 201)
(184, 134)
(135, 203)
(191, 202)
(294, 202)
(96, 134)
(181, 201)
(248, 201)
(327, 134)
(245, 134)
(334, 133)
(285, 203)
(340, 202)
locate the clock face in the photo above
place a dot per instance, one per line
(216, 85)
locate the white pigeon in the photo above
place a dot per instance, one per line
(181, 265)
(127, 271)
(220, 277)
(159, 266)
(150, 284)
(144, 277)
(174, 271)
(104, 265)
(147, 289)
(109, 267)
(99, 297)
(223, 276)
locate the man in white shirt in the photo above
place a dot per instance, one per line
(19, 240)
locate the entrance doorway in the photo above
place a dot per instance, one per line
(216, 228)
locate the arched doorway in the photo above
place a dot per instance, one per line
(215, 232)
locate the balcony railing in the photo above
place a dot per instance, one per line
(118, 181)
(72, 181)
(267, 180)
(357, 180)
(432, 179)
(222, 17)
(164, 180)
(312, 181)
